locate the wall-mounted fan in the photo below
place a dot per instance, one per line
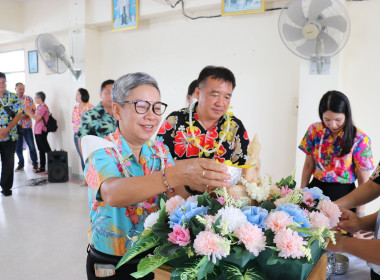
(53, 53)
(314, 29)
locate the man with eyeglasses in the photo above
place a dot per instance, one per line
(206, 129)
(99, 121)
(10, 113)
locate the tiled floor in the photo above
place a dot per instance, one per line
(43, 230)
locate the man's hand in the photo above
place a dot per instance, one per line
(349, 221)
(3, 133)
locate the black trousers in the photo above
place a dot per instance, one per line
(7, 153)
(43, 147)
(122, 273)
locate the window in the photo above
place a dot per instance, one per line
(13, 65)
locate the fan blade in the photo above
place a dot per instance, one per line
(337, 22)
(292, 33)
(295, 13)
(329, 44)
(316, 7)
(308, 48)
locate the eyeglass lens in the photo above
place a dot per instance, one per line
(143, 106)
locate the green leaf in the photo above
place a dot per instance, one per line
(273, 259)
(216, 224)
(161, 197)
(205, 269)
(196, 226)
(161, 230)
(268, 205)
(163, 216)
(231, 271)
(147, 265)
(140, 247)
(167, 249)
(254, 271)
(188, 269)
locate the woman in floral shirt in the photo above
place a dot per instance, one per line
(82, 97)
(125, 173)
(337, 153)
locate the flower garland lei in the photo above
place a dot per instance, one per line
(193, 138)
(258, 193)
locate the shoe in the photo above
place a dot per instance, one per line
(84, 183)
(35, 167)
(6, 192)
(39, 170)
(19, 168)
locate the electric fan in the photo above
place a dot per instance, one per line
(53, 53)
(314, 29)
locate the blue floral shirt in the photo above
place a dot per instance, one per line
(112, 228)
(11, 100)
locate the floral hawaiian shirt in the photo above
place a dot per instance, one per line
(76, 116)
(98, 122)
(11, 100)
(27, 101)
(375, 177)
(329, 167)
(112, 228)
(176, 134)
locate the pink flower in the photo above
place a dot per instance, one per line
(285, 191)
(209, 220)
(179, 236)
(278, 220)
(173, 202)
(221, 200)
(210, 244)
(318, 219)
(252, 237)
(280, 201)
(308, 199)
(289, 243)
(331, 210)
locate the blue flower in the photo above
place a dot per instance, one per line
(316, 193)
(184, 212)
(255, 215)
(298, 215)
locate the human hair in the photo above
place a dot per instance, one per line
(84, 96)
(106, 83)
(41, 95)
(192, 87)
(337, 102)
(125, 84)
(19, 84)
(216, 72)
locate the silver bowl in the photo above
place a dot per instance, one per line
(235, 173)
(341, 264)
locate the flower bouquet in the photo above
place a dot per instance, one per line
(217, 236)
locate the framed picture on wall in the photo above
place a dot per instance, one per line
(33, 62)
(125, 14)
(239, 7)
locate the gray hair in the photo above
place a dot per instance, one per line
(123, 86)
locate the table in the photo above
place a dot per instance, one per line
(357, 270)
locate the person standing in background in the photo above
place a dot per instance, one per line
(82, 97)
(40, 130)
(190, 93)
(10, 114)
(27, 131)
(337, 153)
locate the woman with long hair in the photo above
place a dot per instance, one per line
(337, 153)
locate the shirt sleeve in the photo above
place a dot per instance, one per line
(242, 139)
(308, 143)
(84, 127)
(375, 177)
(73, 115)
(362, 155)
(41, 111)
(17, 106)
(167, 131)
(100, 166)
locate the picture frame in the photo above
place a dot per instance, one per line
(240, 7)
(125, 14)
(33, 62)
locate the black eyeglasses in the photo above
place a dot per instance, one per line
(143, 106)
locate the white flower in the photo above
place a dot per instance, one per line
(150, 220)
(193, 198)
(233, 216)
(258, 193)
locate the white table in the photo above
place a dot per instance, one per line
(357, 270)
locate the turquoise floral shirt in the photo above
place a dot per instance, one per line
(11, 100)
(112, 228)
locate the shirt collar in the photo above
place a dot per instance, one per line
(146, 151)
(329, 132)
